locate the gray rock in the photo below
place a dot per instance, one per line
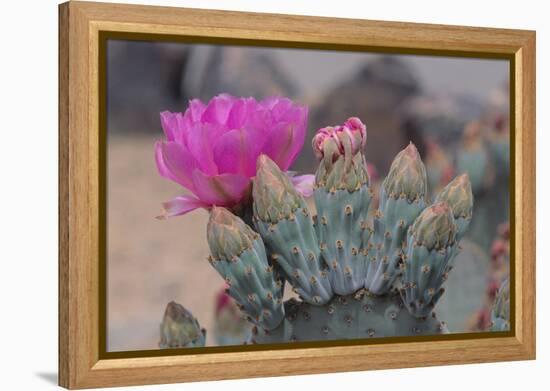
(375, 94)
(239, 71)
(143, 79)
(442, 117)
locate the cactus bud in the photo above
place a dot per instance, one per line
(340, 150)
(435, 227)
(179, 328)
(325, 143)
(407, 176)
(333, 141)
(458, 195)
(228, 236)
(273, 193)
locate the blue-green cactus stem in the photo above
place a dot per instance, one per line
(500, 149)
(283, 220)
(341, 220)
(342, 198)
(458, 195)
(180, 329)
(238, 254)
(358, 316)
(431, 245)
(500, 315)
(402, 198)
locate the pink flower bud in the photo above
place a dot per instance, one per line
(333, 141)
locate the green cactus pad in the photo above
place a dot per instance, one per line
(407, 176)
(253, 285)
(343, 174)
(500, 316)
(431, 247)
(475, 163)
(500, 150)
(458, 195)
(384, 251)
(295, 249)
(274, 196)
(341, 220)
(180, 329)
(252, 281)
(359, 316)
(402, 197)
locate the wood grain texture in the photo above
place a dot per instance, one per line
(63, 221)
(79, 27)
(526, 193)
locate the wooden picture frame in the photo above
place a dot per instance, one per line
(81, 282)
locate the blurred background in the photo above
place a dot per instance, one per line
(456, 111)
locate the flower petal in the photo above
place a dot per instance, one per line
(221, 190)
(281, 109)
(187, 121)
(180, 205)
(218, 109)
(169, 123)
(286, 140)
(270, 102)
(195, 110)
(304, 184)
(236, 152)
(175, 163)
(200, 140)
(240, 111)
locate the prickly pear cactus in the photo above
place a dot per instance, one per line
(180, 329)
(355, 276)
(500, 316)
(361, 315)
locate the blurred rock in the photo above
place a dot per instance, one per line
(375, 94)
(238, 71)
(442, 117)
(143, 79)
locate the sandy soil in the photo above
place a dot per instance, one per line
(150, 261)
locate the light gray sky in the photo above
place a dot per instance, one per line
(316, 69)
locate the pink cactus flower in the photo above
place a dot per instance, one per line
(223, 300)
(211, 149)
(498, 249)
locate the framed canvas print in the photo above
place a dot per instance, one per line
(247, 195)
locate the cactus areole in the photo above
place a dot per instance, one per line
(355, 273)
